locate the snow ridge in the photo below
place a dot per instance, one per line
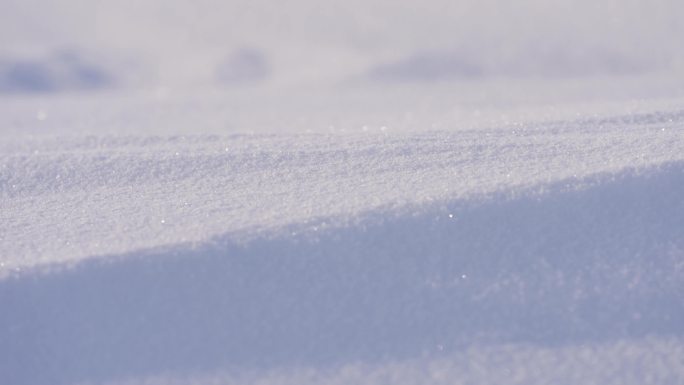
(317, 296)
(127, 193)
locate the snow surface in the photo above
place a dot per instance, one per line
(241, 193)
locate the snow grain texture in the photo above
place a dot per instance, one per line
(242, 257)
(121, 194)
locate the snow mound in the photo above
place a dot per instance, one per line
(132, 256)
(139, 192)
(594, 260)
(477, 192)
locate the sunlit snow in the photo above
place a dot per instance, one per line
(357, 192)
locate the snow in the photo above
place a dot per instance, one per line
(243, 193)
(129, 193)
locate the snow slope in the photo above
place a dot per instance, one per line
(128, 256)
(126, 193)
(356, 192)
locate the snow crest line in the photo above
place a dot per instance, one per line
(118, 195)
(568, 266)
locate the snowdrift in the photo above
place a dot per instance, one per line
(355, 192)
(596, 260)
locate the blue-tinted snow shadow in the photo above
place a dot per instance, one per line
(567, 266)
(64, 70)
(243, 66)
(536, 61)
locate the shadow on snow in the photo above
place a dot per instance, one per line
(561, 267)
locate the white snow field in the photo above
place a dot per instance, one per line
(358, 192)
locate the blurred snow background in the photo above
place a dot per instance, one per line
(152, 43)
